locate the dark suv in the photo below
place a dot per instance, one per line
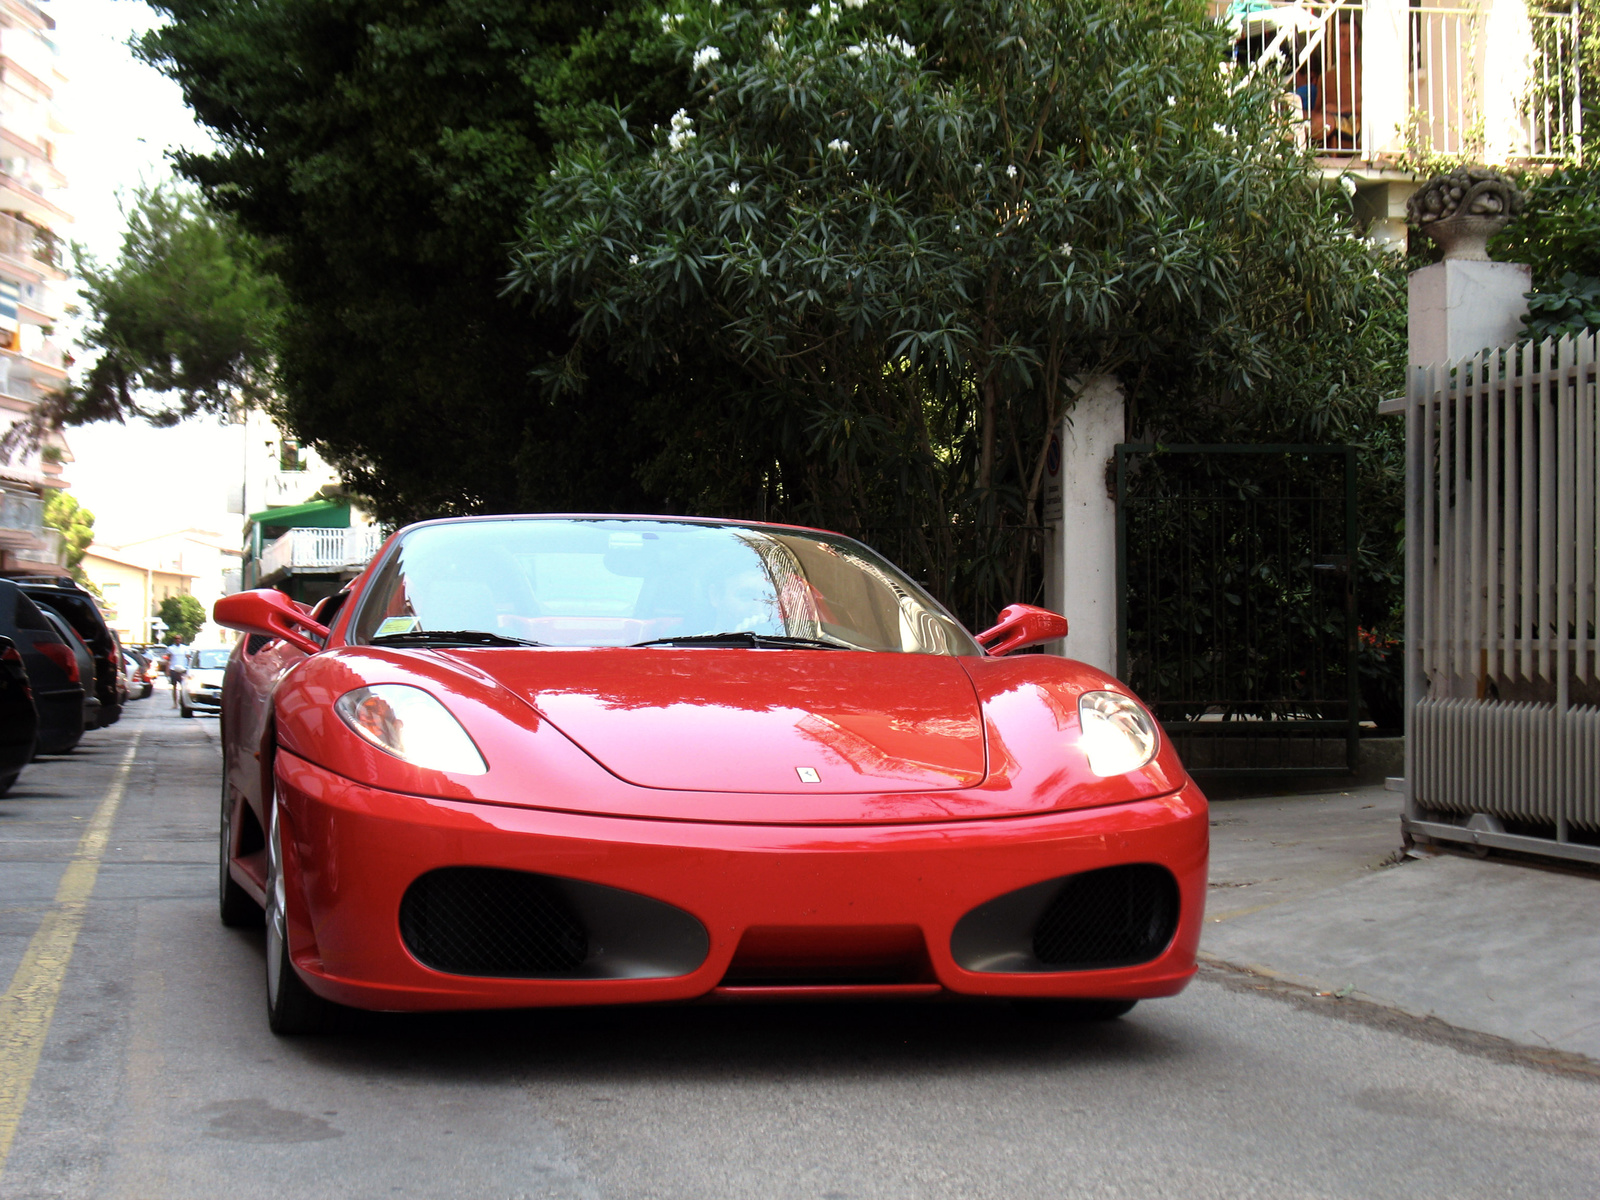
(80, 611)
(52, 666)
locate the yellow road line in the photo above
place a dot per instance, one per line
(30, 1001)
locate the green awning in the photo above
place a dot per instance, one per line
(320, 514)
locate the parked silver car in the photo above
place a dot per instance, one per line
(201, 689)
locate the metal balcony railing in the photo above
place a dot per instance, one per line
(318, 550)
(1381, 79)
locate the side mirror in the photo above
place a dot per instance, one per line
(271, 614)
(1020, 625)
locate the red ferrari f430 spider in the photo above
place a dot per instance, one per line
(564, 760)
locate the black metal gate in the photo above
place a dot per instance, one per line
(1236, 601)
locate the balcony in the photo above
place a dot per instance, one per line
(1375, 84)
(318, 552)
(29, 244)
(24, 537)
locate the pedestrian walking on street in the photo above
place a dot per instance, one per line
(175, 672)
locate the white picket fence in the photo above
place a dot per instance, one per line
(1502, 610)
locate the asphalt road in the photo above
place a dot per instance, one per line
(156, 1078)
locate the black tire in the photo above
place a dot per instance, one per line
(235, 905)
(1076, 1011)
(292, 1007)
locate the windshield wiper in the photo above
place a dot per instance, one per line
(449, 637)
(745, 637)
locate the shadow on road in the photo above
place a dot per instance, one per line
(712, 1042)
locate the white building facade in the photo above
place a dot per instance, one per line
(33, 274)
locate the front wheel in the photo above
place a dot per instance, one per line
(292, 1007)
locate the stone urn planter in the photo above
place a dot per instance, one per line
(1461, 211)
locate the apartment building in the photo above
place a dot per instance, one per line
(1379, 89)
(302, 534)
(33, 273)
(131, 588)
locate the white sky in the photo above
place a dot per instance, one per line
(138, 481)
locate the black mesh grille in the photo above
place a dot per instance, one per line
(484, 921)
(1114, 917)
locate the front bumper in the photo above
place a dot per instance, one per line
(209, 701)
(351, 851)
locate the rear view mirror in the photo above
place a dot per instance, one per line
(271, 614)
(1020, 625)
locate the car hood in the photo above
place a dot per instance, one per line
(759, 721)
(208, 676)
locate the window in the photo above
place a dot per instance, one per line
(290, 457)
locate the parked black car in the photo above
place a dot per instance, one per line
(81, 612)
(19, 724)
(52, 670)
(86, 666)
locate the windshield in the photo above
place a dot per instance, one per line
(622, 583)
(209, 660)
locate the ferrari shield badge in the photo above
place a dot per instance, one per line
(808, 774)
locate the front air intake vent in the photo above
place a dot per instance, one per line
(1114, 917)
(1094, 921)
(487, 921)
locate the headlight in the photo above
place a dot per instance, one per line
(1118, 735)
(410, 724)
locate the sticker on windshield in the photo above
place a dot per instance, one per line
(397, 625)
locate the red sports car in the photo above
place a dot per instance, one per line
(545, 760)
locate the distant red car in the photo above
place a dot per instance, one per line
(564, 760)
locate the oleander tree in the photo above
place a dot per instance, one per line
(895, 249)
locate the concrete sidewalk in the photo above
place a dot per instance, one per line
(1310, 889)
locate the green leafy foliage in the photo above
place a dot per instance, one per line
(186, 313)
(184, 616)
(902, 260)
(76, 523)
(1558, 235)
(385, 151)
(1572, 306)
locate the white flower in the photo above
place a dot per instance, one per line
(633, 260)
(668, 20)
(1172, 102)
(958, 228)
(733, 188)
(839, 144)
(705, 56)
(1011, 171)
(900, 44)
(855, 3)
(814, 11)
(855, 51)
(1065, 249)
(682, 130)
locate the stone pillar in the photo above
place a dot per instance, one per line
(1465, 303)
(1081, 519)
(1459, 307)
